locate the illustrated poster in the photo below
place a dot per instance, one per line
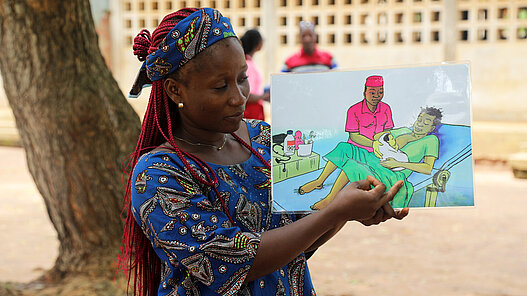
(409, 123)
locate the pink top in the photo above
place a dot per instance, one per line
(254, 110)
(254, 76)
(361, 119)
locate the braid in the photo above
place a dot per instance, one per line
(142, 44)
(137, 257)
(250, 148)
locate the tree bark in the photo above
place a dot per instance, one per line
(74, 123)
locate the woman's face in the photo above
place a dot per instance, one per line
(215, 89)
(424, 124)
(373, 95)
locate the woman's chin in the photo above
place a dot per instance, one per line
(232, 126)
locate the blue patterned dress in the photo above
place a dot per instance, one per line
(201, 252)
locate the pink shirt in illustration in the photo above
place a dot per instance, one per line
(361, 119)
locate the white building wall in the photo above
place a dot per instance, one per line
(490, 34)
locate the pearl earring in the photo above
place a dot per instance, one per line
(180, 105)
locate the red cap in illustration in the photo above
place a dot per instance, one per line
(374, 81)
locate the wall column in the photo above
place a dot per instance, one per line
(270, 38)
(450, 31)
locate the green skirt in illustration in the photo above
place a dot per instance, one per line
(358, 163)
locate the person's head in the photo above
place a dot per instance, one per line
(196, 67)
(374, 90)
(428, 120)
(308, 37)
(252, 41)
(212, 88)
(180, 53)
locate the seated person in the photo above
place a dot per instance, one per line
(357, 163)
(370, 116)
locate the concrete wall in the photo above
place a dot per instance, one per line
(431, 31)
(499, 90)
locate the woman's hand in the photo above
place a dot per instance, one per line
(385, 213)
(424, 167)
(376, 149)
(359, 201)
(391, 163)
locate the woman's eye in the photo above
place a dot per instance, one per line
(221, 86)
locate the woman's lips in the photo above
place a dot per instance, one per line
(237, 115)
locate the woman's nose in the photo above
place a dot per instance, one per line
(238, 96)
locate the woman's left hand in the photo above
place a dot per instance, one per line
(391, 163)
(386, 212)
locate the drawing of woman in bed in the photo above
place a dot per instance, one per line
(419, 146)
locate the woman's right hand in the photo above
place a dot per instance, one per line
(359, 201)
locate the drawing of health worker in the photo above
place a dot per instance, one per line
(369, 116)
(420, 146)
(365, 120)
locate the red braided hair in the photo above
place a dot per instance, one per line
(137, 257)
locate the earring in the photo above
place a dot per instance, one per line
(180, 105)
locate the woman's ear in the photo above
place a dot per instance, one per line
(173, 89)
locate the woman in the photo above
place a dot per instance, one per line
(252, 42)
(200, 219)
(356, 163)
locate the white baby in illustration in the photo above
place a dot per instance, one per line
(386, 147)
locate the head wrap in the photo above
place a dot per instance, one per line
(188, 38)
(374, 81)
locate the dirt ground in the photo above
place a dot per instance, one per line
(457, 251)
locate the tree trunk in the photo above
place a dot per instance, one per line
(74, 123)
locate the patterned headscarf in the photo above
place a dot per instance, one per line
(188, 38)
